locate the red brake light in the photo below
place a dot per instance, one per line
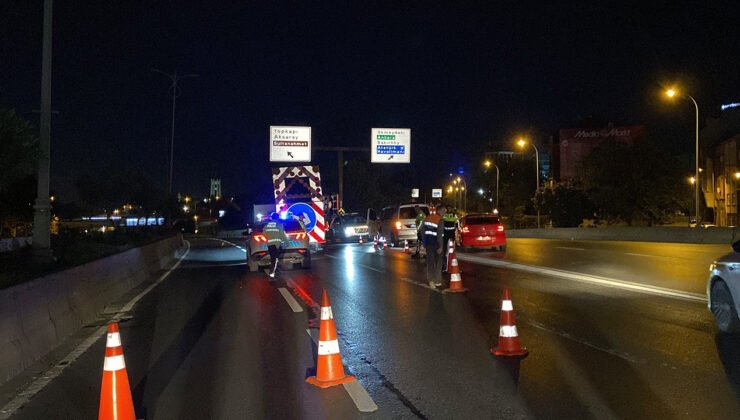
(299, 235)
(500, 228)
(260, 238)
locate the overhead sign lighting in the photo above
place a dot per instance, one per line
(390, 145)
(290, 144)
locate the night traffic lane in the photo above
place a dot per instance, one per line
(599, 352)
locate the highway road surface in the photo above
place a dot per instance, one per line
(614, 330)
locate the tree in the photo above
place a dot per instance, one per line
(566, 204)
(18, 148)
(638, 182)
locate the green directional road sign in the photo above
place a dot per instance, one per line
(386, 137)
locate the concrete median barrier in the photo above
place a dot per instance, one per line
(35, 317)
(712, 235)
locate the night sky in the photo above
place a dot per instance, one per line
(464, 76)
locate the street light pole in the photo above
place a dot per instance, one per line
(537, 163)
(671, 93)
(174, 78)
(42, 207)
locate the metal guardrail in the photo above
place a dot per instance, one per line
(11, 244)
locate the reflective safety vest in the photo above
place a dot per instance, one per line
(450, 223)
(420, 220)
(431, 227)
(275, 233)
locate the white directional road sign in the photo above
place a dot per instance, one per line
(437, 193)
(414, 193)
(290, 144)
(390, 145)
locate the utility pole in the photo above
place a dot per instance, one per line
(340, 166)
(42, 207)
(174, 92)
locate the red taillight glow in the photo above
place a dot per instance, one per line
(260, 238)
(398, 225)
(299, 235)
(500, 228)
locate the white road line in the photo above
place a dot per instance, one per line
(371, 268)
(570, 248)
(356, 391)
(587, 278)
(37, 385)
(229, 243)
(290, 299)
(648, 256)
(424, 285)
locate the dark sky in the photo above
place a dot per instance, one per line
(459, 74)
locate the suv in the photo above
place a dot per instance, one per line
(296, 250)
(349, 227)
(397, 223)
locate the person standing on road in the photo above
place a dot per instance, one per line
(420, 216)
(276, 238)
(450, 224)
(433, 241)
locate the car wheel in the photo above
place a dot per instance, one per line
(723, 308)
(502, 248)
(252, 265)
(306, 263)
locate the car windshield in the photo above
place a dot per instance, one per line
(353, 220)
(410, 212)
(482, 220)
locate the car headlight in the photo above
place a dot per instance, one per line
(349, 231)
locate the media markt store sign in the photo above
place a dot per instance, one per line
(390, 145)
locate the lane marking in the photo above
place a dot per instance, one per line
(648, 256)
(588, 278)
(356, 391)
(424, 285)
(40, 382)
(571, 248)
(371, 268)
(227, 242)
(290, 299)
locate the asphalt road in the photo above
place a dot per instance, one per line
(214, 341)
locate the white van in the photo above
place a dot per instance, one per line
(397, 223)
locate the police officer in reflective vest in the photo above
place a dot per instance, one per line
(420, 216)
(276, 237)
(434, 242)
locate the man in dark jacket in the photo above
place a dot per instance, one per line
(433, 231)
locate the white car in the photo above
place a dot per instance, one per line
(723, 290)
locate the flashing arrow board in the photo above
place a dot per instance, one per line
(290, 144)
(390, 145)
(437, 193)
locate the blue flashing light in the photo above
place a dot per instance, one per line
(730, 105)
(259, 216)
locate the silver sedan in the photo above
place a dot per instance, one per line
(723, 290)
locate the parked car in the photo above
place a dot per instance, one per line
(347, 228)
(723, 290)
(296, 251)
(482, 230)
(396, 223)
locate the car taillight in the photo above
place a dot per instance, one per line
(260, 238)
(465, 229)
(398, 225)
(500, 228)
(299, 235)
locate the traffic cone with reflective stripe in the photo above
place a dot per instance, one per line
(375, 242)
(361, 242)
(450, 254)
(508, 338)
(115, 393)
(406, 246)
(455, 279)
(329, 369)
(385, 244)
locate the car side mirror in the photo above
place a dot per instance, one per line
(736, 246)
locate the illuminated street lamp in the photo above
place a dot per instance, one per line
(488, 164)
(671, 93)
(737, 175)
(521, 144)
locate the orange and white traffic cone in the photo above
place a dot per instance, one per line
(115, 393)
(329, 369)
(385, 244)
(508, 338)
(455, 279)
(361, 242)
(375, 242)
(450, 254)
(406, 246)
